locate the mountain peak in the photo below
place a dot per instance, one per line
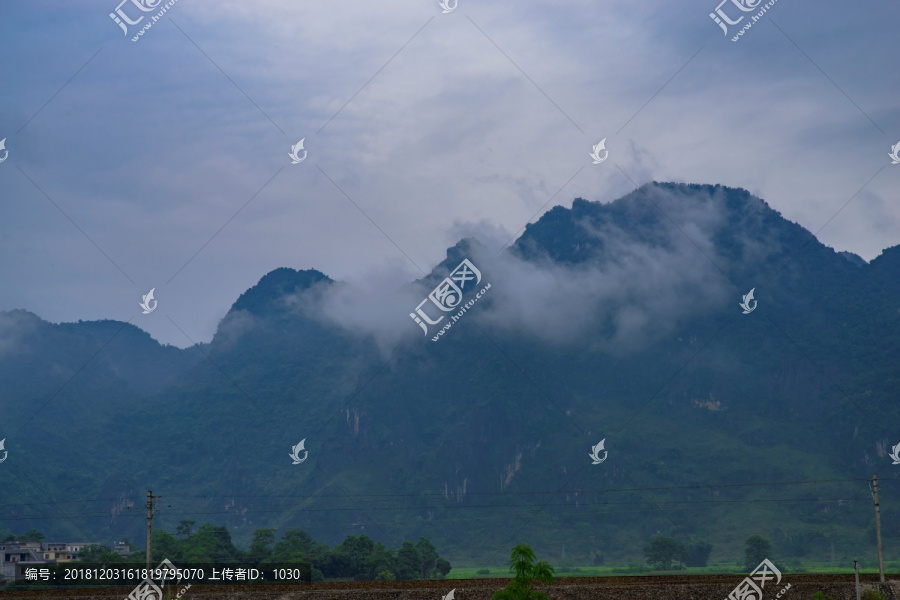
(265, 296)
(464, 248)
(732, 221)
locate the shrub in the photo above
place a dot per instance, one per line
(664, 552)
(756, 549)
(385, 576)
(872, 594)
(698, 554)
(521, 561)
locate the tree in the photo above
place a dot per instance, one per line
(443, 567)
(165, 546)
(429, 556)
(211, 544)
(381, 559)
(297, 545)
(521, 562)
(409, 563)
(663, 552)
(349, 557)
(32, 535)
(260, 547)
(359, 557)
(698, 554)
(184, 527)
(756, 549)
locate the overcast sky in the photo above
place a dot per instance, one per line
(163, 163)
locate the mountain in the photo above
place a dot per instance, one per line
(617, 321)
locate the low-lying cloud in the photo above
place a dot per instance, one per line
(631, 291)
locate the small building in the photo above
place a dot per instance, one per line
(13, 553)
(73, 548)
(33, 553)
(55, 551)
(121, 548)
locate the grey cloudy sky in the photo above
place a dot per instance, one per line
(163, 163)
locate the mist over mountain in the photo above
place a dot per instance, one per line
(617, 321)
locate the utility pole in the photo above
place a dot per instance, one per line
(878, 526)
(150, 528)
(856, 568)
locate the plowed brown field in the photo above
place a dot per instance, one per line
(685, 587)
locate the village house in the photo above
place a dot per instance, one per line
(75, 547)
(13, 553)
(36, 553)
(123, 548)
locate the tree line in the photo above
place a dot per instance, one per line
(357, 557)
(665, 553)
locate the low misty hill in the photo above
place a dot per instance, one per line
(618, 322)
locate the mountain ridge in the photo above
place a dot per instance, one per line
(615, 321)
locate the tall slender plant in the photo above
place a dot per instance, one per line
(527, 571)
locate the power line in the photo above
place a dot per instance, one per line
(188, 510)
(485, 494)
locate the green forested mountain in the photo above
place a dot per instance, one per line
(618, 322)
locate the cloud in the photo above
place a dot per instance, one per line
(641, 289)
(469, 121)
(14, 327)
(374, 304)
(235, 324)
(635, 291)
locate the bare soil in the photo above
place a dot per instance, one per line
(685, 587)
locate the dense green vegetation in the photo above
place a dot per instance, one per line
(358, 558)
(32, 535)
